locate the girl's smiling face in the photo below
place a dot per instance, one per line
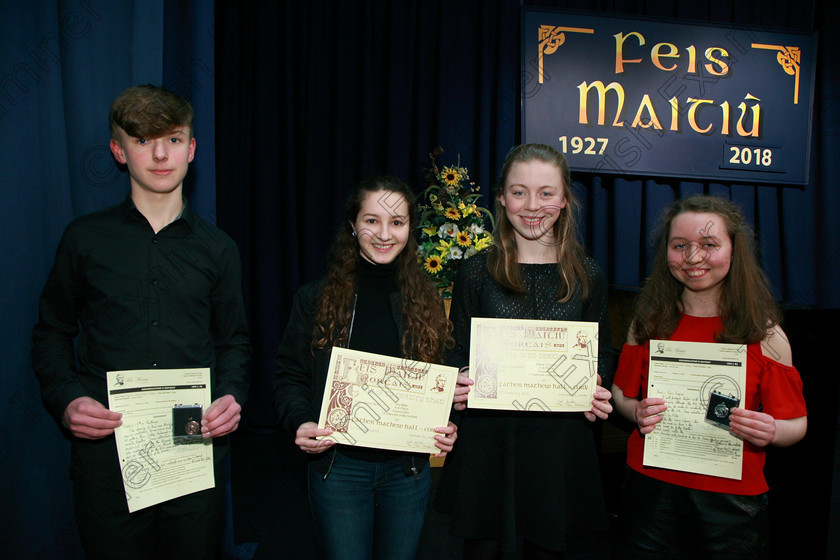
(533, 197)
(699, 251)
(381, 226)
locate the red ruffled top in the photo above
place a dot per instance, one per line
(775, 387)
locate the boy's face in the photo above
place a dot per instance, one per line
(156, 165)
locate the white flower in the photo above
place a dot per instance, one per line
(455, 253)
(477, 229)
(470, 252)
(448, 230)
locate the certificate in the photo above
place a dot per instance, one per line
(385, 402)
(159, 459)
(533, 365)
(692, 435)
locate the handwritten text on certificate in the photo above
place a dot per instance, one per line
(686, 374)
(154, 468)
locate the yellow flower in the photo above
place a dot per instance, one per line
(431, 230)
(450, 176)
(437, 206)
(483, 243)
(452, 213)
(443, 247)
(433, 264)
(463, 239)
(466, 211)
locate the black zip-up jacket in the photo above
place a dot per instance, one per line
(301, 375)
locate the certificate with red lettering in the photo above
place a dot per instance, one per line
(379, 401)
(531, 365)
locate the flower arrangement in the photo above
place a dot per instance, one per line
(452, 225)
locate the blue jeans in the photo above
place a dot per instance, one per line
(367, 510)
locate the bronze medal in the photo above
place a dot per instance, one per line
(192, 428)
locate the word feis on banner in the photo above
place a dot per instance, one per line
(646, 97)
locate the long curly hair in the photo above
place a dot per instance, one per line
(427, 333)
(502, 261)
(746, 305)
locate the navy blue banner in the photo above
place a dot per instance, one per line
(645, 97)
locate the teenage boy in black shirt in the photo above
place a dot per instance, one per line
(144, 285)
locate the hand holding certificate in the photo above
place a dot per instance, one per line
(161, 450)
(533, 365)
(700, 383)
(385, 402)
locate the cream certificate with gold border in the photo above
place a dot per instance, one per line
(531, 365)
(384, 402)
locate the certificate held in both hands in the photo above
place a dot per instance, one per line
(161, 450)
(384, 402)
(531, 365)
(700, 382)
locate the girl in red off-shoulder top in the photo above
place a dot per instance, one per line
(706, 286)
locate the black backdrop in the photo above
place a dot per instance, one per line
(313, 96)
(308, 97)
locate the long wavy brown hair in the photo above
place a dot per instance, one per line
(427, 332)
(503, 261)
(746, 305)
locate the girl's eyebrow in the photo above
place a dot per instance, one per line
(702, 236)
(377, 215)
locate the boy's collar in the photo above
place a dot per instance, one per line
(128, 206)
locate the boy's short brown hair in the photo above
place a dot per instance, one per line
(149, 112)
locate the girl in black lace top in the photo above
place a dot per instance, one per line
(527, 483)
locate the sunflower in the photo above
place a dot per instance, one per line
(452, 227)
(433, 264)
(463, 239)
(452, 213)
(451, 176)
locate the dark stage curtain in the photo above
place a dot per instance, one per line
(319, 94)
(313, 96)
(61, 65)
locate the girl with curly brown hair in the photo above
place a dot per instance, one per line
(366, 503)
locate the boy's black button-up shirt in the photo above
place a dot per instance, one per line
(135, 299)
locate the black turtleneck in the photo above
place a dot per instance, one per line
(374, 329)
(374, 326)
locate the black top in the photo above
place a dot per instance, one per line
(140, 300)
(480, 296)
(525, 474)
(374, 330)
(301, 374)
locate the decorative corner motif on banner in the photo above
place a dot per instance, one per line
(550, 39)
(788, 58)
